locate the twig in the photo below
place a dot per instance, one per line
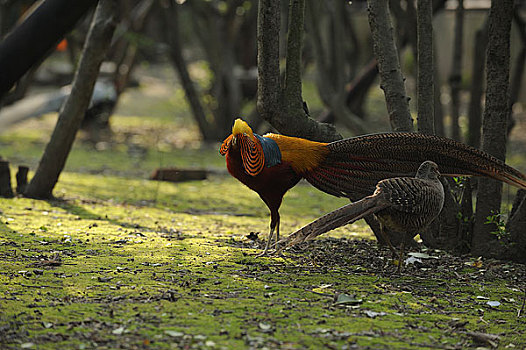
(322, 294)
(41, 286)
(99, 271)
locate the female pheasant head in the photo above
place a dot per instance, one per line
(428, 170)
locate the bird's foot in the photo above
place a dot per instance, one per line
(263, 254)
(278, 252)
(268, 252)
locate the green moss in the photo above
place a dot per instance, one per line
(118, 260)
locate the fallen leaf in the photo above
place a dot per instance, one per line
(422, 255)
(344, 299)
(118, 331)
(265, 326)
(174, 334)
(373, 314)
(493, 303)
(412, 260)
(477, 264)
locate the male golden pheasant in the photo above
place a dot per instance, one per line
(272, 164)
(401, 204)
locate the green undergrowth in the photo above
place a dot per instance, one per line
(119, 261)
(128, 263)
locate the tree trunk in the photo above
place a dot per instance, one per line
(5, 180)
(218, 28)
(437, 96)
(70, 118)
(516, 227)
(494, 124)
(21, 179)
(29, 42)
(330, 70)
(269, 87)
(392, 81)
(136, 19)
(273, 101)
(292, 94)
(173, 38)
(517, 76)
(425, 86)
(477, 86)
(455, 79)
(443, 232)
(407, 29)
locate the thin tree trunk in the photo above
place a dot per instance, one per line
(358, 88)
(5, 180)
(268, 101)
(30, 41)
(330, 77)
(70, 118)
(389, 66)
(171, 22)
(520, 60)
(126, 62)
(477, 86)
(392, 81)
(425, 86)
(516, 227)
(494, 124)
(437, 95)
(21, 179)
(356, 93)
(455, 79)
(292, 96)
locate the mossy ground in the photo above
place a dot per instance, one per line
(118, 261)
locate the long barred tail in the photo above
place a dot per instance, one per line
(355, 165)
(345, 215)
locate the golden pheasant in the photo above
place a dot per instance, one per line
(402, 204)
(272, 164)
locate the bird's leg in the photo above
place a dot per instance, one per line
(269, 239)
(387, 239)
(274, 226)
(402, 251)
(276, 246)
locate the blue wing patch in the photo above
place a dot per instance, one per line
(270, 150)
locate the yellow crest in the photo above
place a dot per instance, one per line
(241, 127)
